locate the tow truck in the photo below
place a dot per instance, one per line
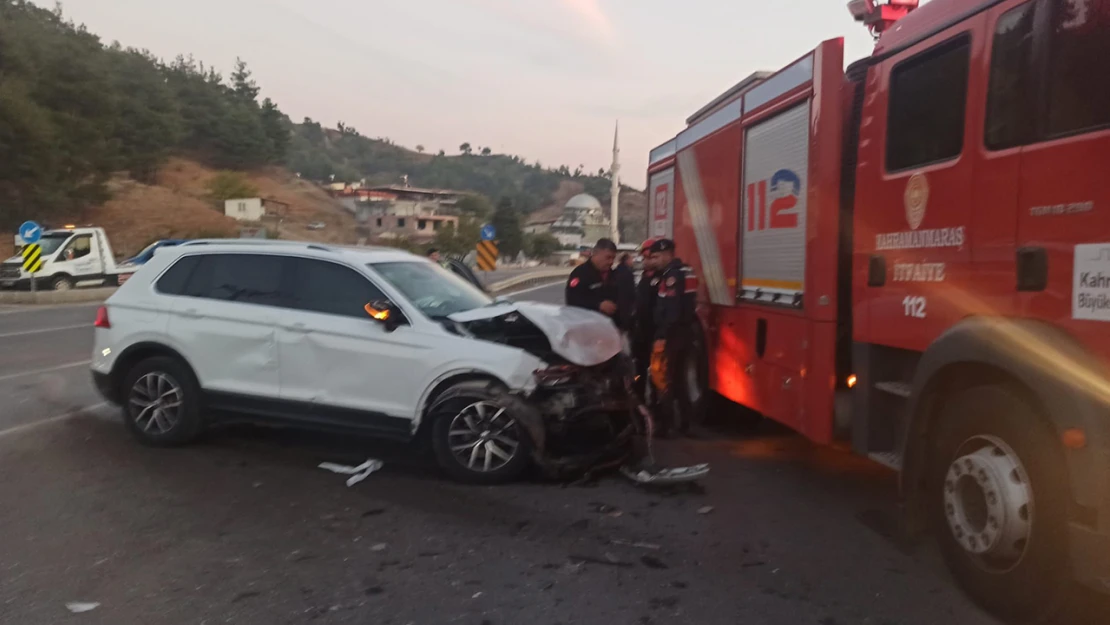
(72, 257)
(912, 256)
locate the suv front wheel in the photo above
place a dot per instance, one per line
(161, 403)
(475, 437)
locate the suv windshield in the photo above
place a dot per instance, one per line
(431, 288)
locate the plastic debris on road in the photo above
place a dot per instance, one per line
(359, 473)
(705, 509)
(673, 475)
(78, 607)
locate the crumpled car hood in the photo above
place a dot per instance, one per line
(583, 337)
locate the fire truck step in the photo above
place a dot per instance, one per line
(900, 389)
(889, 459)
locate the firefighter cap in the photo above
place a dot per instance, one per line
(662, 245)
(646, 245)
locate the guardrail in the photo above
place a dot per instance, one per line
(93, 295)
(532, 278)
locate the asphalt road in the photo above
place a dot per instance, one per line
(244, 528)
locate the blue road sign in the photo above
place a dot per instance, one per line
(489, 233)
(30, 232)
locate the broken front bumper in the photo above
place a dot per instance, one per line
(580, 419)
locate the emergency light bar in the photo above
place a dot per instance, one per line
(878, 15)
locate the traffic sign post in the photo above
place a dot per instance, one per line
(30, 232)
(32, 259)
(489, 233)
(487, 255)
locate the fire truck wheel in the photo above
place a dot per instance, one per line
(999, 503)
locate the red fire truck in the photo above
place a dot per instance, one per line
(913, 255)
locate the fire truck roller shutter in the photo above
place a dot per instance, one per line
(776, 165)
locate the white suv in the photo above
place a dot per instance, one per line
(372, 340)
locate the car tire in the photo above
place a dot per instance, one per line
(998, 501)
(472, 433)
(160, 401)
(61, 283)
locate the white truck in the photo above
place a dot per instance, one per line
(72, 257)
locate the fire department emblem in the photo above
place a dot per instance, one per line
(916, 199)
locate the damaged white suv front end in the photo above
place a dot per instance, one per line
(577, 414)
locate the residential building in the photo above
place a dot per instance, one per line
(253, 209)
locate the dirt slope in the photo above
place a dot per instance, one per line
(177, 206)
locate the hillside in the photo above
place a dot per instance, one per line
(117, 137)
(319, 153)
(176, 205)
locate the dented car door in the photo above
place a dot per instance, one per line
(351, 368)
(226, 321)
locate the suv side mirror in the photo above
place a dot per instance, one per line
(384, 313)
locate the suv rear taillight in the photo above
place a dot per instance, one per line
(102, 318)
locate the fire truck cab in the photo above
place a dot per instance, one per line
(914, 255)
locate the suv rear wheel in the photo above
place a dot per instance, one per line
(475, 437)
(161, 402)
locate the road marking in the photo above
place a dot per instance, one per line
(12, 376)
(17, 309)
(55, 419)
(45, 330)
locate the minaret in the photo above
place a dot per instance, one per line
(615, 191)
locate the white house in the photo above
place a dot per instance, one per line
(254, 209)
(245, 209)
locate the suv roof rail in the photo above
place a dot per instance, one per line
(258, 242)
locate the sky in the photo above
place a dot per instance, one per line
(543, 79)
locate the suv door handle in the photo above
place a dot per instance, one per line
(296, 327)
(191, 313)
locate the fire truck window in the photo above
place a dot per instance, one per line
(1009, 99)
(1079, 94)
(928, 97)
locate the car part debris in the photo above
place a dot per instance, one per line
(705, 509)
(661, 476)
(638, 545)
(77, 607)
(359, 473)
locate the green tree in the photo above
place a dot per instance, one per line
(277, 128)
(230, 185)
(242, 83)
(506, 220)
(540, 245)
(466, 149)
(486, 151)
(420, 149)
(476, 205)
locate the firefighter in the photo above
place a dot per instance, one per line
(673, 316)
(592, 284)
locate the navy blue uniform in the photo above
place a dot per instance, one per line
(676, 298)
(588, 288)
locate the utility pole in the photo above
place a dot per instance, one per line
(615, 190)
